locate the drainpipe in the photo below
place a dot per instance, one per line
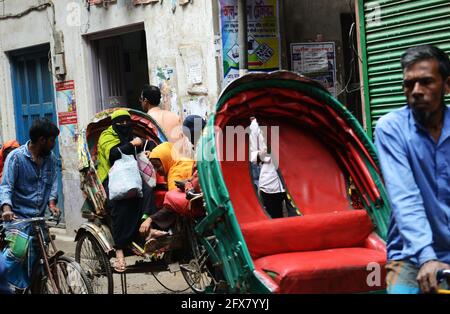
(242, 33)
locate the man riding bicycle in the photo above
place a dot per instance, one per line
(413, 148)
(29, 186)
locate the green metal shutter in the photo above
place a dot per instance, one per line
(387, 29)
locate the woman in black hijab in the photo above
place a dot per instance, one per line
(126, 214)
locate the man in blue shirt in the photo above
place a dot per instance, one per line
(29, 186)
(413, 145)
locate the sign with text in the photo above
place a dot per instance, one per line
(67, 118)
(67, 112)
(263, 37)
(316, 60)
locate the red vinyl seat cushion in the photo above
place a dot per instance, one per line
(340, 270)
(307, 233)
(317, 253)
(176, 201)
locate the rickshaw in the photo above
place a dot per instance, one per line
(336, 243)
(95, 244)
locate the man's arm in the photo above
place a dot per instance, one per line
(7, 186)
(406, 199)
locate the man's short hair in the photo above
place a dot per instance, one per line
(152, 94)
(426, 52)
(43, 128)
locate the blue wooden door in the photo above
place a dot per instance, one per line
(34, 97)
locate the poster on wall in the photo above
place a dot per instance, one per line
(163, 77)
(316, 60)
(67, 112)
(263, 37)
(195, 105)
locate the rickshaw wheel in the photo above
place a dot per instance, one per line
(197, 277)
(95, 263)
(196, 271)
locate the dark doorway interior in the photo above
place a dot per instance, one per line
(122, 69)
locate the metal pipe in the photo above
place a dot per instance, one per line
(242, 33)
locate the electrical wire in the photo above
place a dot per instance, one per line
(52, 25)
(354, 54)
(352, 62)
(39, 7)
(352, 12)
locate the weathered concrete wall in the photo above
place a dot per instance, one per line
(182, 41)
(16, 34)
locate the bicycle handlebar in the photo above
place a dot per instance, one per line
(443, 274)
(34, 219)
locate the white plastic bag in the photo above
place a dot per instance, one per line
(124, 179)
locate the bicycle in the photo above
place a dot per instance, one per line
(53, 272)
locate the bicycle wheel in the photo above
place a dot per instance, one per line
(69, 278)
(95, 263)
(196, 271)
(196, 275)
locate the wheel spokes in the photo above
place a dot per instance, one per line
(90, 258)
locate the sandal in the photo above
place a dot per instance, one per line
(120, 265)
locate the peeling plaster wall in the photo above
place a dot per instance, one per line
(171, 37)
(30, 30)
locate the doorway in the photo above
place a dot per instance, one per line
(120, 69)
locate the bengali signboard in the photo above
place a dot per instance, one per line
(263, 37)
(67, 112)
(316, 60)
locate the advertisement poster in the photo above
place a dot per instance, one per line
(195, 105)
(316, 60)
(263, 37)
(163, 77)
(67, 112)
